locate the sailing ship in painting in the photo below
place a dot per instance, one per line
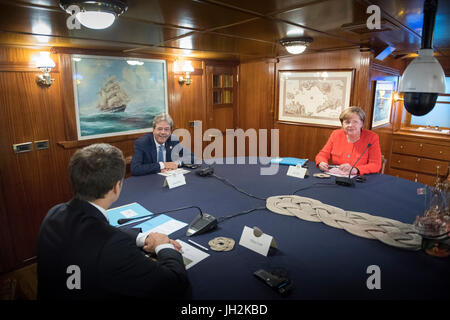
(111, 97)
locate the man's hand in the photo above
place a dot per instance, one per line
(170, 165)
(155, 239)
(176, 245)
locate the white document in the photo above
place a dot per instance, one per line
(173, 172)
(169, 227)
(334, 171)
(259, 244)
(297, 172)
(191, 255)
(174, 181)
(128, 213)
(340, 175)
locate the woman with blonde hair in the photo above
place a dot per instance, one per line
(347, 144)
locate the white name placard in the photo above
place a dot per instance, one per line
(259, 244)
(174, 180)
(296, 171)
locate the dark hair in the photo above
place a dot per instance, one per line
(95, 169)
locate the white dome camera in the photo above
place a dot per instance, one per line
(421, 83)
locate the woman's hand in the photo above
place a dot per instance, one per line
(323, 166)
(347, 167)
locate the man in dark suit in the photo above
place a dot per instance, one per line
(81, 256)
(153, 151)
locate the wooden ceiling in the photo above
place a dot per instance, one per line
(228, 29)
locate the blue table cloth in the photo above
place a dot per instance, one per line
(322, 262)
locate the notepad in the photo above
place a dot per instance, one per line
(162, 224)
(289, 161)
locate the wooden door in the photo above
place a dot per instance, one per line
(222, 103)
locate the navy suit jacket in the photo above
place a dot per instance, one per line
(111, 265)
(145, 159)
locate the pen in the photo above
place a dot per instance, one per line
(198, 245)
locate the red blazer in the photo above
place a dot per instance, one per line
(341, 151)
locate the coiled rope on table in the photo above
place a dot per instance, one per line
(388, 231)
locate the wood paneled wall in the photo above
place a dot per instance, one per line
(259, 97)
(32, 182)
(257, 100)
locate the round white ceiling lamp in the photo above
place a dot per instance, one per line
(296, 45)
(95, 14)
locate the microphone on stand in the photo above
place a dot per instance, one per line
(201, 223)
(347, 181)
(153, 215)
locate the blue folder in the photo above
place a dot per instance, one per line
(115, 214)
(289, 161)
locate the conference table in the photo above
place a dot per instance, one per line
(321, 261)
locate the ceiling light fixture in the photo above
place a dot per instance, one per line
(296, 45)
(95, 14)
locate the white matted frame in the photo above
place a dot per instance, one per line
(114, 97)
(314, 97)
(382, 103)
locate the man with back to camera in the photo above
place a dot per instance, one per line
(153, 151)
(76, 240)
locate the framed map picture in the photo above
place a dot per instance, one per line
(316, 97)
(382, 104)
(117, 96)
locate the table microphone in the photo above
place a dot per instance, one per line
(347, 181)
(153, 215)
(201, 224)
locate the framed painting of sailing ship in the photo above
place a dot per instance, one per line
(382, 103)
(314, 97)
(117, 96)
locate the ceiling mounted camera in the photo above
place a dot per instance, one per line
(424, 78)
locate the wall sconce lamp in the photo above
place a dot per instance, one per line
(186, 68)
(296, 45)
(45, 64)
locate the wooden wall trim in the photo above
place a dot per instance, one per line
(113, 53)
(82, 143)
(68, 98)
(17, 68)
(422, 135)
(362, 89)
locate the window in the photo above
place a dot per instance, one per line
(440, 115)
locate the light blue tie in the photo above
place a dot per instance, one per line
(160, 154)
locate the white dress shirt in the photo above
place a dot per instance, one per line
(140, 239)
(161, 164)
